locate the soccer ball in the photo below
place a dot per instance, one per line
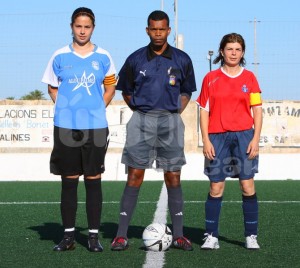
(157, 237)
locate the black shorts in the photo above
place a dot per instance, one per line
(78, 151)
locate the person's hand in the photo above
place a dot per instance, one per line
(208, 150)
(253, 149)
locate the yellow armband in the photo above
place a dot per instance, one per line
(255, 99)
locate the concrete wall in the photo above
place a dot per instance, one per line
(35, 167)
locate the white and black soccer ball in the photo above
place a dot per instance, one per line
(157, 237)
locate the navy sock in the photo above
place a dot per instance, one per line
(212, 213)
(127, 206)
(175, 203)
(68, 204)
(93, 202)
(250, 210)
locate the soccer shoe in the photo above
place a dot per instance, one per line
(68, 243)
(211, 242)
(119, 243)
(251, 242)
(182, 243)
(94, 244)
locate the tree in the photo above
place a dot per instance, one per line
(34, 95)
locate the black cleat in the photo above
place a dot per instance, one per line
(94, 244)
(68, 243)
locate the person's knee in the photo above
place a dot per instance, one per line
(172, 178)
(247, 187)
(95, 177)
(135, 177)
(217, 189)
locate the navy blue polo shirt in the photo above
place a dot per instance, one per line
(156, 82)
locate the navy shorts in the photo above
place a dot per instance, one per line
(78, 151)
(154, 136)
(231, 159)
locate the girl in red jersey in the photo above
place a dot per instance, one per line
(230, 122)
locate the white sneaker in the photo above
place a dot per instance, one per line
(211, 242)
(251, 242)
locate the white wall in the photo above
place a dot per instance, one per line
(35, 167)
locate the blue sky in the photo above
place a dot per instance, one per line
(32, 30)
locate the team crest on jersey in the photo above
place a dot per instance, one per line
(172, 80)
(245, 89)
(95, 65)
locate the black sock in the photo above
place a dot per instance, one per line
(93, 202)
(175, 203)
(68, 205)
(127, 206)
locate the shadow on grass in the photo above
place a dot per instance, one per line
(108, 230)
(196, 236)
(54, 232)
(231, 241)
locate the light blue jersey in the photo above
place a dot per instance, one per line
(79, 103)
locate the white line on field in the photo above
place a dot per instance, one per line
(157, 259)
(144, 202)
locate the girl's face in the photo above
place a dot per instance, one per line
(232, 54)
(82, 30)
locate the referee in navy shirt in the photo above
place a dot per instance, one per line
(157, 82)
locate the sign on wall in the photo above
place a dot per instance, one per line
(31, 126)
(26, 126)
(281, 124)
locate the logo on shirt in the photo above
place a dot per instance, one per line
(84, 82)
(143, 72)
(245, 89)
(95, 65)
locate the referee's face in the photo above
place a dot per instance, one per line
(158, 32)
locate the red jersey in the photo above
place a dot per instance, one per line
(229, 99)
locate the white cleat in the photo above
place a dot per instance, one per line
(211, 242)
(251, 242)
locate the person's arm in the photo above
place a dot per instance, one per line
(184, 102)
(52, 91)
(208, 148)
(253, 147)
(127, 99)
(109, 93)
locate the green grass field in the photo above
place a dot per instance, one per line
(31, 226)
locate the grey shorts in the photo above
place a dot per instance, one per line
(153, 137)
(78, 151)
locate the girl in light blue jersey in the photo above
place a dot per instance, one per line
(81, 82)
